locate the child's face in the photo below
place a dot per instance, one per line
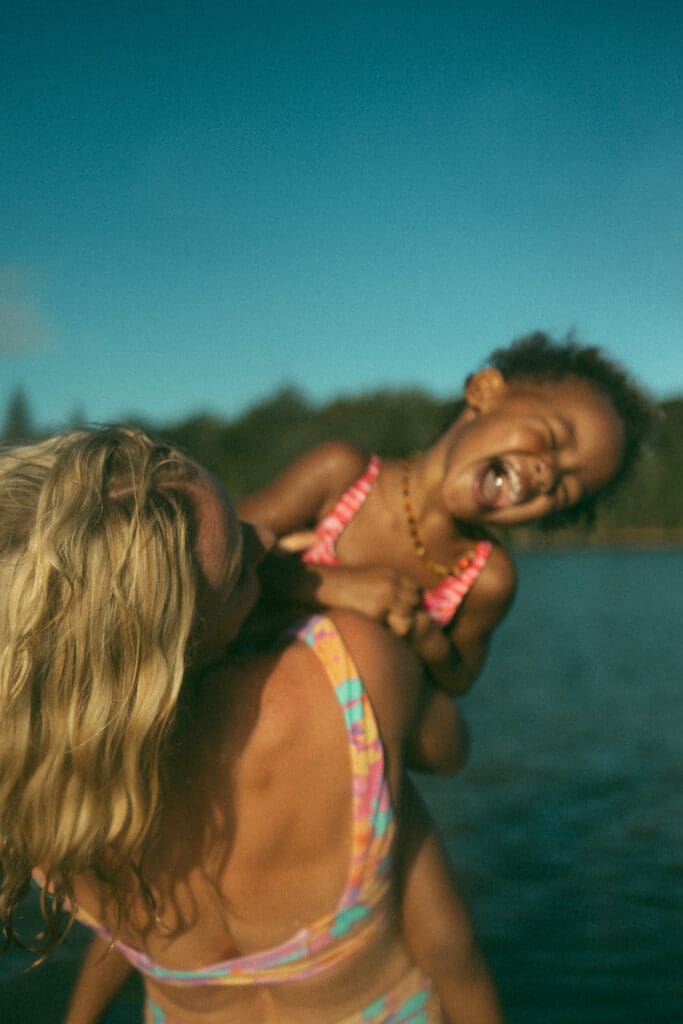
(524, 449)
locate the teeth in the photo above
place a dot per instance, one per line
(505, 471)
(515, 481)
(503, 484)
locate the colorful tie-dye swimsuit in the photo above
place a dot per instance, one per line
(366, 900)
(443, 600)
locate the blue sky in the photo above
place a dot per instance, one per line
(203, 202)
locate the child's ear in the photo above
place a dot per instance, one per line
(484, 388)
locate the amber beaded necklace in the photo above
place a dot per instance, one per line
(421, 551)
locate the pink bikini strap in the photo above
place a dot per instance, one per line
(443, 600)
(332, 525)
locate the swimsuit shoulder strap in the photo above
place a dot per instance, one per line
(443, 600)
(373, 828)
(332, 525)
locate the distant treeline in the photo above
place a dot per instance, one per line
(249, 450)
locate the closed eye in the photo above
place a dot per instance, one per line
(552, 436)
(567, 493)
(563, 500)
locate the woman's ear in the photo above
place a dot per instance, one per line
(484, 388)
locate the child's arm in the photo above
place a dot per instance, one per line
(455, 657)
(102, 974)
(306, 489)
(436, 925)
(453, 660)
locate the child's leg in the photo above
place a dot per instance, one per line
(440, 741)
(436, 924)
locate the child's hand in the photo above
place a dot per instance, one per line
(453, 664)
(422, 628)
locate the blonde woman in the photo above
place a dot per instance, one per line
(231, 825)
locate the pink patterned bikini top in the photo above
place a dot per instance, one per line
(441, 601)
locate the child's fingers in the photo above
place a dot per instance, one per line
(408, 596)
(399, 623)
(400, 615)
(422, 625)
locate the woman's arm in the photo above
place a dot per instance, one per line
(103, 973)
(436, 925)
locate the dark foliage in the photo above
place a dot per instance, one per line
(248, 451)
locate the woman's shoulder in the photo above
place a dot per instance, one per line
(258, 697)
(260, 701)
(389, 672)
(373, 651)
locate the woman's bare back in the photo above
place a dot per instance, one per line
(249, 852)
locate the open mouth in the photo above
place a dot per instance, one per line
(501, 484)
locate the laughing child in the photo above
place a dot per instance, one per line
(545, 430)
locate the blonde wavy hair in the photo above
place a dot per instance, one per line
(98, 581)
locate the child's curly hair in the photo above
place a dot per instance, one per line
(539, 358)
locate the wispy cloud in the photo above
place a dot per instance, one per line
(23, 327)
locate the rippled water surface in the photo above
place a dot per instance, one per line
(566, 827)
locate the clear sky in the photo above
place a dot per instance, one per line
(201, 202)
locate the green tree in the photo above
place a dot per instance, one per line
(18, 424)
